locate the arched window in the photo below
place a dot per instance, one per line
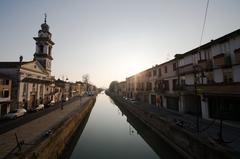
(41, 48)
(49, 51)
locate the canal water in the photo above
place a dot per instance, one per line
(110, 134)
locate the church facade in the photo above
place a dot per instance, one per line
(32, 83)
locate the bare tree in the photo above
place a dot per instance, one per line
(85, 79)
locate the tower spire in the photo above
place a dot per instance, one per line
(45, 17)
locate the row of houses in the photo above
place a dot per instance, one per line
(26, 84)
(33, 93)
(203, 81)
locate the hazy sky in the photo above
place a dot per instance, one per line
(112, 39)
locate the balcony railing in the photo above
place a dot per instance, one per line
(222, 60)
(220, 89)
(160, 90)
(189, 88)
(5, 99)
(205, 64)
(186, 69)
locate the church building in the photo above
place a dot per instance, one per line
(32, 83)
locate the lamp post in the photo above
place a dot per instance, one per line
(197, 69)
(195, 93)
(19, 79)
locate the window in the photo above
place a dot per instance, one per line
(149, 86)
(41, 89)
(165, 69)
(25, 89)
(154, 72)
(183, 82)
(227, 77)
(174, 82)
(33, 87)
(204, 55)
(209, 77)
(166, 84)
(159, 72)
(149, 74)
(5, 82)
(49, 51)
(224, 47)
(174, 66)
(41, 48)
(5, 93)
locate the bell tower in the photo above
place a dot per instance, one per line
(43, 53)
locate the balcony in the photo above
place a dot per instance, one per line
(237, 56)
(186, 69)
(161, 89)
(205, 64)
(222, 60)
(227, 89)
(5, 99)
(185, 88)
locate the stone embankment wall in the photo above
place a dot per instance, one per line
(54, 145)
(186, 143)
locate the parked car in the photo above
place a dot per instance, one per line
(49, 103)
(90, 93)
(15, 114)
(39, 107)
(52, 102)
(65, 99)
(132, 101)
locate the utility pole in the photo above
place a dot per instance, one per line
(195, 94)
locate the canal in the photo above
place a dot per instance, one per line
(109, 133)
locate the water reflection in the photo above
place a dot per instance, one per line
(157, 144)
(108, 134)
(70, 146)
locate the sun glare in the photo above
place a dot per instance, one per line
(134, 68)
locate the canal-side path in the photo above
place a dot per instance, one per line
(169, 123)
(33, 131)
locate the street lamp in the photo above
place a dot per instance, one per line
(197, 68)
(19, 79)
(195, 93)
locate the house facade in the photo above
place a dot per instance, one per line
(32, 80)
(5, 94)
(204, 81)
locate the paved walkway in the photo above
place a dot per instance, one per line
(35, 129)
(209, 128)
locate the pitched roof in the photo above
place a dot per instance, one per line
(3, 76)
(212, 42)
(11, 64)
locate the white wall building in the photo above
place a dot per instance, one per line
(32, 79)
